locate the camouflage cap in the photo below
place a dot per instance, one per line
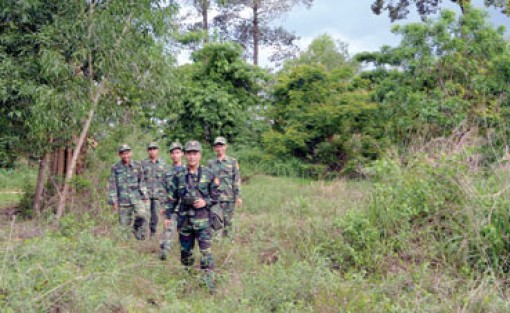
(220, 141)
(174, 145)
(124, 147)
(153, 145)
(193, 145)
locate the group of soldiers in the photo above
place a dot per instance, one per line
(199, 201)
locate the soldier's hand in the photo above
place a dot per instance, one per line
(167, 223)
(239, 202)
(115, 207)
(162, 212)
(200, 203)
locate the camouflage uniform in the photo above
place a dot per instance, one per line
(154, 175)
(193, 223)
(227, 170)
(127, 189)
(168, 234)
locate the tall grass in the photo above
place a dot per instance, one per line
(425, 236)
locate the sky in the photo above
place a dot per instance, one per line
(353, 22)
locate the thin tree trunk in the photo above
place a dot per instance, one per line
(61, 163)
(205, 13)
(41, 178)
(70, 171)
(256, 34)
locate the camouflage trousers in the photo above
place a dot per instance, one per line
(126, 213)
(191, 229)
(228, 218)
(154, 213)
(167, 239)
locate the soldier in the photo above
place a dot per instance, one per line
(154, 170)
(194, 189)
(226, 169)
(176, 154)
(127, 190)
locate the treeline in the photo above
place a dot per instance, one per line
(72, 72)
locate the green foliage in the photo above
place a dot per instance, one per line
(321, 118)
(445, 76)
(218, 95)
(427, 212)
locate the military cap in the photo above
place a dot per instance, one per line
(124, 147)
(175, 145)
(153, 145)
(193, 145)
(220, 141)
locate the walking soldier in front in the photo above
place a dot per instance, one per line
(128, 193)
(154, 170)
(226, 168)
(191, 194)
(176, 154)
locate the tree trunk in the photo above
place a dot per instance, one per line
(256, 34)
(61, 163)
(70, 170)
(205, 12)
(41, 178)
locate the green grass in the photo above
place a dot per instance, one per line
(17, 179)
(8, 198)
(301, 246)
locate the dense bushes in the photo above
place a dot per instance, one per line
(435, 211)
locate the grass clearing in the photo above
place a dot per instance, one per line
(281, 261)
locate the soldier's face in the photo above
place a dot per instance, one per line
(153, 153)
(220, 149)
(176, 155)
(193, 158)
(125, 156)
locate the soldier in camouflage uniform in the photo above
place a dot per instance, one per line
(226, 169)
(154, 170)
(191, 193)
(128, 193)
(176, 153)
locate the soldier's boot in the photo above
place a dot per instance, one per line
(207, 280)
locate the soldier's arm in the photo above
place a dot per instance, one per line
(141, 183)
(172, 197)
(113, 198)
(214, 190)
(237, 181)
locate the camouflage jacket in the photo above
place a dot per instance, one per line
(154, 177)
(127, 185)
(228, 173)
(182, 182)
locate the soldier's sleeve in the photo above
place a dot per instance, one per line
(112, 188)
(172, 195)
(237, 181)
(141, 183)
(214, 190)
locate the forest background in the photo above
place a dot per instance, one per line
(374, 182)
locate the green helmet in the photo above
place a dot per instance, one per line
(175, 145)
(193, 145)
(124, 147)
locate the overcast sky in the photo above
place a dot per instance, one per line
(353, 22)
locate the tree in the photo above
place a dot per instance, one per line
(218, 93)
(84, 58)
(324, 50)
(448, 74)
(320, 112)
(256, 29)
(398, 10)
